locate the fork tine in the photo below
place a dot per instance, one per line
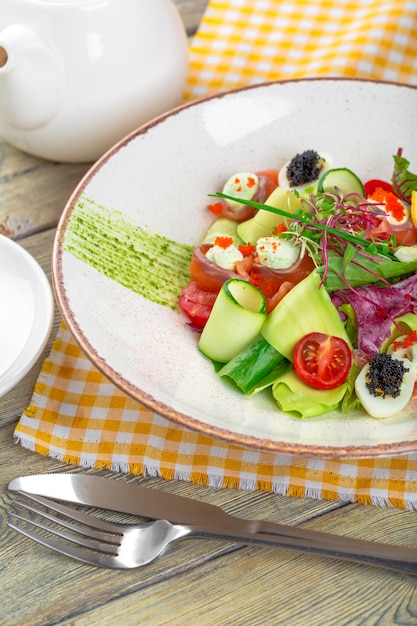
(87, 530)
(78, 538)
(76, 552)
(74, 514)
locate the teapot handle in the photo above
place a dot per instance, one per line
(31, 79)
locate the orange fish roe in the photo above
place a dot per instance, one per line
(216, 208)
(255, 279)
(281, 228)
(223, 242)
(392, 204)
(274, 245)
(247, 249)
(409, 340)
(250, 182)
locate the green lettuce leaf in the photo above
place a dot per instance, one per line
(299, 400)
(351, 324)
(371, 272)
(350, 400)
(255, 367)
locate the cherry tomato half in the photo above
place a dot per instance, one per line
(372, 185)
(196, 302)
(322, 361)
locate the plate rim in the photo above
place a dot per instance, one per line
(187, 421)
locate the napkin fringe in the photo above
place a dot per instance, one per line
(220, 482)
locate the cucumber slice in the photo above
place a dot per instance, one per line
(263, 222)
(223, 227)
(342, 178)
(307, 308)
(238, 315)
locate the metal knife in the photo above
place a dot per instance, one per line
(116, 495)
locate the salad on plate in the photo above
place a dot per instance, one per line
(305, 285)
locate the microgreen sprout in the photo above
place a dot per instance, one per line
(334, 223)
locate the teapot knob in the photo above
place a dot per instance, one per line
(4, 57)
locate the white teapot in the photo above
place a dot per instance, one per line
(78, 75)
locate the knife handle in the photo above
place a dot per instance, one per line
(282, 530)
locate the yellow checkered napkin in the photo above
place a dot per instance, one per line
(78, 416)
(243, 42)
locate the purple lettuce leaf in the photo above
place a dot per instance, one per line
(376, 308)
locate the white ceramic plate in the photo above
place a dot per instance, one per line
(26, 312)
(158, 179)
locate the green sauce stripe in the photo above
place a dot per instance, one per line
(153, 266)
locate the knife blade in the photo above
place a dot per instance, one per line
(116, 495)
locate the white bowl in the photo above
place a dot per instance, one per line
(159, 178)
(26, 313)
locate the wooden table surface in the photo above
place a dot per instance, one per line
(196, 582)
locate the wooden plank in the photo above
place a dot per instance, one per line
(33, 192)
(191, 12)
(33, 576)
(260, 586)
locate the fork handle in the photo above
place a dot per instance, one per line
(397, 558)
(262, 527)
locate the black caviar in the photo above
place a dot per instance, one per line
(385, 376)
(304, 168)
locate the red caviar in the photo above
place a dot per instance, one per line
(250, 182)
(247, 249)
(238, 184)
(255, 279)
(223, 242)
(393, 206)
(409, 340)
(281, 228)
(216, 208)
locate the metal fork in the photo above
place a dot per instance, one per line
(126, 546)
